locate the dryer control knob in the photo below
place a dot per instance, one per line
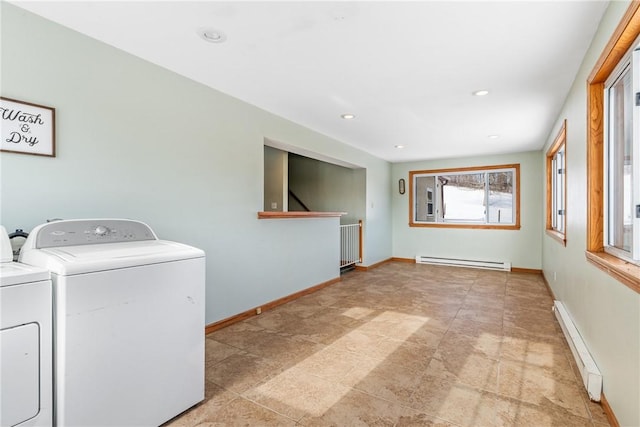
(101, 230)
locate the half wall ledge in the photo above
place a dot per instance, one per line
(300, 214)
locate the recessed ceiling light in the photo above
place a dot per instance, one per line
(482, 92)
(493, 136)
(399, 146)
(212, 35)
(348, 116)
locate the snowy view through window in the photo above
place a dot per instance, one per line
(471, 197)
(464, 197)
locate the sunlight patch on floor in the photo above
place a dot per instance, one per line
(357, 312)
(314, 394)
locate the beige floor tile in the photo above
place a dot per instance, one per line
(335, 364)
(482, 301)
(480, 314)
(540, 322)
(239, 372)
(444, 296)
(274, 320)
(413, 356)
(241, 413)
(238, 335)
(519, 302)
(361, 409)
(293, 356)
(386, 380)
(488, 290)
(540, 386)
(311, 330)
(394, 324)
(296, 393)
(527, 289)
(301, 307)
(359, 342)
(538, 350)
(215, 398)
(475, 329)
(438, 311)
(455, 343)
(454, 402)
(216, 351)
(430, 334)
(471, 369)
(596, 411)
(404, 345)
(422, 420)
(546, 414)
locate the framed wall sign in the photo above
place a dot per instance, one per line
(27, 128)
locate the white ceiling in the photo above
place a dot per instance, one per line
(407, 70)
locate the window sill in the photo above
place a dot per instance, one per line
(623, 271)
(556, 235)
(285, 215)
(479, 226)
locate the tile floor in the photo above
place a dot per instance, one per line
(399, 345)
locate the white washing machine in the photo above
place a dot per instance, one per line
(25, 342)
(128, 321)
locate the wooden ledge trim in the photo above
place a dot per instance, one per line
(556, 235)
(268, 306)
(623, 271)
(462, 225)
(285, 215)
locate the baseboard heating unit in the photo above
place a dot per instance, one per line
(487, 265)
(591, 376)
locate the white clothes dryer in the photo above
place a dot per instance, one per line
(128, 321)
(25, 342)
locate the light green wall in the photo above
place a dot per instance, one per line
(275, 179)
(323, 186)
(605, 311)
(137, 141)
(521, 247)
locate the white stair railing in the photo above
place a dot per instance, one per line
(350, 244)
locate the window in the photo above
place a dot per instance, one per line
(619, 159)
(612, 226)
(482, 197)
(557, 187)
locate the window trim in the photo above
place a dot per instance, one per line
(610, 187)
(559, 142)
(514, 226)
(622, 39)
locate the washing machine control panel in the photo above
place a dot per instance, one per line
(84, 232)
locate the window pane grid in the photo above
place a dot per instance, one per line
(620, 166)
(482, 197)
(558, 194)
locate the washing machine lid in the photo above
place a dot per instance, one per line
(14, 273)
(72, 260)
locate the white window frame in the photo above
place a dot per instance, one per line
(438, 219)
(556, 218)
(558, 205)
(630, 62)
